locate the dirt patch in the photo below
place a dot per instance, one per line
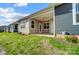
(51, 50)
(2, 51)
(47, 46)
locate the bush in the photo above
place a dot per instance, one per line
(71, 39)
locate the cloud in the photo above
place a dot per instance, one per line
(6, 10)
(9, 15)
(20, 4)
(13, 15)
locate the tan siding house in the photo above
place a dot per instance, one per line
(41, 22)
(55, 19)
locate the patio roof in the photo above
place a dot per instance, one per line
(45, 14)
(50, 7)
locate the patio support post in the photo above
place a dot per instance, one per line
(29, 19)
(54, 21)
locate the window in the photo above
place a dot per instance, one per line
(22, 26)
(32, 24)
(46, 25)
(16, 26)
(76, 14)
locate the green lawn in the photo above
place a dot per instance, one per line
(14, 43)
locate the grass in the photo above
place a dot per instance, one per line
(15, 44)
(22, 44)
(66, 48)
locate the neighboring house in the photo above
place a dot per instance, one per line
(12, 27)
(2, 28)
(56, 19)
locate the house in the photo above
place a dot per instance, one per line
(2, 28)
(13, 27)
(57, 18)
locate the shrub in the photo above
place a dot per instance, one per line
(71, 39)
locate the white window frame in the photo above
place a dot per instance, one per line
(74, 14)
(46, 26)
(22, 26)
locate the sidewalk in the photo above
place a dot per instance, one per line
(2, 52)
(47, 35)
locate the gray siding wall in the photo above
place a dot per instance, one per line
(64, 19)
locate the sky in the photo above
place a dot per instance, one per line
(11, 12)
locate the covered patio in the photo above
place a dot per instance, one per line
(42, 22)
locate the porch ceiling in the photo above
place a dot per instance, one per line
(44, 16)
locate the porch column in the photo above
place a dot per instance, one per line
(29, 20)
(54, 21)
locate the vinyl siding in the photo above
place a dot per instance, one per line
(26, 29)
(64, 19)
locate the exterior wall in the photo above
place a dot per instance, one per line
(6, 29)
(11, 28)
(64, 19)
(36, 27)
(26, 29)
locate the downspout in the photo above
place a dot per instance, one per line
(54, 22)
